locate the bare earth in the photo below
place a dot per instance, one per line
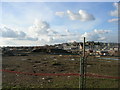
(37, 63)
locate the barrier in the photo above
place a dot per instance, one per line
(61, 74)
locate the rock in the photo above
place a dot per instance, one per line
(49, 81)
(60, 55)
(42, 70)
(72, 59)
(37, 61)
(48, 78)
(12, 69)
(55, 59)
(62, 70)
(29, 59)
(68, 76)
(56, 64)
(43, 78)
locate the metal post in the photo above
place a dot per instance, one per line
(82, 68)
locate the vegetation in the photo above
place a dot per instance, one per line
(36, 63)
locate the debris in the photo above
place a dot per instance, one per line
(49, 81)
(55, 59)
(62, 70)
(12, 69)
(17, 75)
(72, 59)
(60, 55)
(48, 78)
(68, 76)
(88, 65)
(43, 78)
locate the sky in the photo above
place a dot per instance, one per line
(41, 23)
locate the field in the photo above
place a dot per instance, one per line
(38, 63)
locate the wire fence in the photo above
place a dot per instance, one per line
(62, 74)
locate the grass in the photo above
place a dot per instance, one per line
(36, 63)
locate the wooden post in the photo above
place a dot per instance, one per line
(82, 68)
(84, 47)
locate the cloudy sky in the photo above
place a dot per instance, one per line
(40, 23)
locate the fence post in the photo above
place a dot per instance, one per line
(82, 68)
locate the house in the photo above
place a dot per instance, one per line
(104, 53)
(114, 48)
(87, 47)
(71, 47)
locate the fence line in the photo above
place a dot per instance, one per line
(62, 74)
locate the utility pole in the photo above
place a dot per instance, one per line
(83, 68)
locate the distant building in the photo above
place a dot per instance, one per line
(104, 53)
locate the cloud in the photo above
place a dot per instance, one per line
(96, 35)
(40, 33)
(85, 16)
(39, 27)
(101, 31)
(73, 16)
(81, 15)
(60, 14)
(17, 42)
(114, 20)
(10, 33)
(116, 11)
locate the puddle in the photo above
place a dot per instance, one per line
(110, 58)
(104, 61)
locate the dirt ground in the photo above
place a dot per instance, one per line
(37, 63)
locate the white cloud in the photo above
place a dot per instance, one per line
(85, 16)
(101, 31)
(39, 27)
(40, 33)
(17, 42)
(96, 35)
(41, 30)
(10, 33)
(81, 15)
(114, 20)
(73, 16)
(60, 14)
(116, 11)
